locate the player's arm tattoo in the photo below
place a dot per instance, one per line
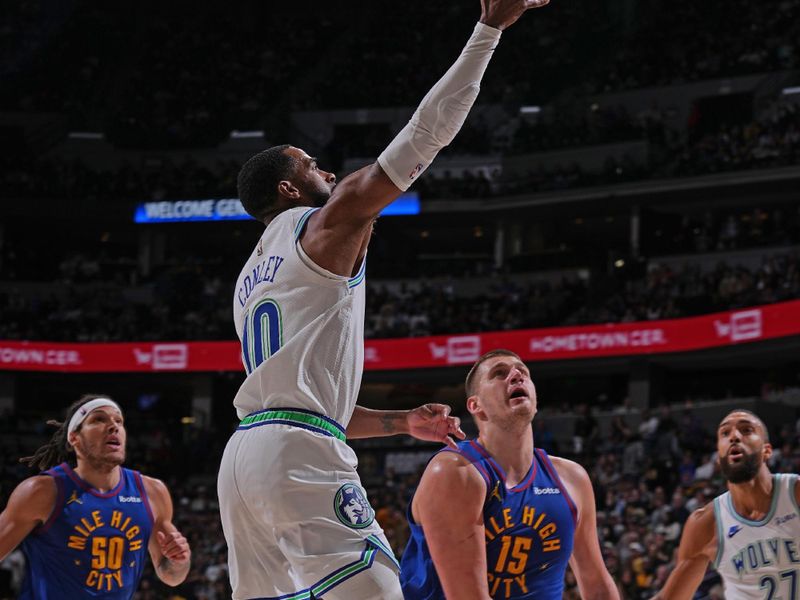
(171, 570)
(389, 421)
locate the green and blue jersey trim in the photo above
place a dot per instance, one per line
(298, 417)
(298, 230)
(359, 277)
(327, 583)
(374, 539)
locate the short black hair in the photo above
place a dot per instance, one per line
(469, 383)
(259, 177)
(755, 416)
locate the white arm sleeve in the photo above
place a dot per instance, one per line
(442, 112)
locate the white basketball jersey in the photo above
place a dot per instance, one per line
(760, 559)
(301, 327)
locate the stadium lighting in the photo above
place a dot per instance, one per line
(619, 263)
(530, 110)
(86, 135)
(239, 135)
(791, 90)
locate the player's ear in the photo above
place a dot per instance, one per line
(474, 407)
(767, 450)
(70, 441)
(286, 189)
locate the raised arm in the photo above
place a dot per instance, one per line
(448, 504)
(429, 422)
(30, 505)
(169, 550)
(594, 581)
(698, 547)
(334, 236)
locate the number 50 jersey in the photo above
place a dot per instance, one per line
(529, 532)
(93, 545)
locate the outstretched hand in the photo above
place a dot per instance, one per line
(502, 14)
(433, 423)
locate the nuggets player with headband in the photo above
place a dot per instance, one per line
(296, 519)
(86, 531)
(498, 518)
(751, 533)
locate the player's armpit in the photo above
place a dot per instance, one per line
(697, 549)
(448, 504)
(30, 505)
(334, 237)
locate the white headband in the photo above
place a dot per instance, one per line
(83, 412)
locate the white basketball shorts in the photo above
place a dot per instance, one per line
(296, 519)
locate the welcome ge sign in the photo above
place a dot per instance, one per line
(179, 211)
(231, 209)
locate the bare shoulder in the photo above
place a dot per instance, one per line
(154, 486)
(34, 497)
(571, 472)
(158, 494)
(449, 480)
(448, 475)
(450, 468)
(39, 484)
(700, 533)
(703, 519)
(37, 488)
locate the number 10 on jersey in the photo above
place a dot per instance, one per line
(262, 333)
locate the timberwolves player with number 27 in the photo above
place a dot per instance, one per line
(86, 531)
(497, 518)
(751, 533)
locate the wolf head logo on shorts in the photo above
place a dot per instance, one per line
(352, 508)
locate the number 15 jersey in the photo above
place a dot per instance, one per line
(301, 327)
(529, 531)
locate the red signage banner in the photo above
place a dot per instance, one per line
(557, 343)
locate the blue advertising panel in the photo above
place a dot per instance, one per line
(230, 209)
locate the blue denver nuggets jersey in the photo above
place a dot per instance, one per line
(93, 545)
(529, 533)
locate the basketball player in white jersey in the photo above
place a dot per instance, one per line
(751, 533)
(296, 519)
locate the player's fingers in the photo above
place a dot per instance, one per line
(453, 424)
(177, 553)
(171, 542)
(450, 442)
(438, 410)
(181, 554)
